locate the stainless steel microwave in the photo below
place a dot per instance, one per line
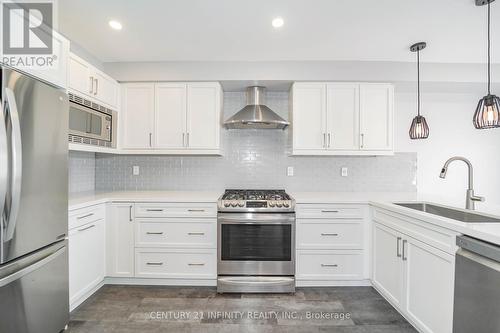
(91, 123)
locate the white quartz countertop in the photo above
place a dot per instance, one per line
(86, 199)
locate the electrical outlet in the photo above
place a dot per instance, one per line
(344, 171)
(289, 171)
(135, 170)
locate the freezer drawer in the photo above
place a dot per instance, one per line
(34, 292)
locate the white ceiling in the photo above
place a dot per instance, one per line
(237, 30)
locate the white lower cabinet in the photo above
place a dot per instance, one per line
(414, 276)
(120, 240)
(86, 260)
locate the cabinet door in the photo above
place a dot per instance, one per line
(137, 115)
(387, 263)
(80, 76)
(343, 116)
(376, 116)
(170, 115)
(120, 240)
(429, 280)
(106, 89)
(86, 259)
(309, 116)
(203, 115)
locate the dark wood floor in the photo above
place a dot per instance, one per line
(201, 309)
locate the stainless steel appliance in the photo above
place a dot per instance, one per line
(91, 123)
(256, 114)
(256, 241)
(477, 287)
(33, 205)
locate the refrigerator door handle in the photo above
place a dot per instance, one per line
(28, 269)
(17, 161)
(4, 160)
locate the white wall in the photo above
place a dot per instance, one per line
(451, 133)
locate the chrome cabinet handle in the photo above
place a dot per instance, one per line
(154, 233)
(196, 233)
(329, 139)
(362, 140)
(329, 211)
(187, 139)
(196, 210)
(329, 265)
(196, 264)
(17, 164)
(328, 234)
(91, 89)
(184, 139)
(150, 139)
(404, 251)
(398, 248)
(84, 216)
(154, 263)
(130, 213)
(154, 210)
(87, 228)
(96, 86)
(324, 140)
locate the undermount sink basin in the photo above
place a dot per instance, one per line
(455, 214)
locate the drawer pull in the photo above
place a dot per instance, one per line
(196, 233)
(154, 210)
(154, 233)
(87, 228)
(196, 264)
(84, 216)
(196, 210)
(329, 211)
(329, 265)
(328, 234)
(154, 263)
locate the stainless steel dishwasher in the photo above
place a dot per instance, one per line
(477, 287)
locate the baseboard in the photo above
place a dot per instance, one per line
(160, 282)
(84, 297)
(333, 283)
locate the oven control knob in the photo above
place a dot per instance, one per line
(271, 204)
(226, 204)
(241, 204)
(286, 204)
(234, 204)
(279, 204)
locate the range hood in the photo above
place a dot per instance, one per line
(256, 114)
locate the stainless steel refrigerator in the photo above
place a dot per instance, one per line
(33, 205)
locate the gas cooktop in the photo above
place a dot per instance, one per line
(256, 201)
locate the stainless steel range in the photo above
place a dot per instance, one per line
(256, 241)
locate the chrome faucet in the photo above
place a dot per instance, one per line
(470, 199)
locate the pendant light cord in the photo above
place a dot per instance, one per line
(489, 49)
(418, 82)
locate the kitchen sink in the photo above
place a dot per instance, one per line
(455, 214)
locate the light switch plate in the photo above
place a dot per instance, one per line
(135, 170)
(344, 171)
(289, 171)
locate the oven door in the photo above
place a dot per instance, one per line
(89, 123)
(256, 244)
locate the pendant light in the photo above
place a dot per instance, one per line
(419, 128)
(487, 113)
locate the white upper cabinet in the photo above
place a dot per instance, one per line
(309, 116)
(176, 118)
(342, 119)
(170, 115)
(137, 116)
(376, 116)
(203, 115)
(87, 81)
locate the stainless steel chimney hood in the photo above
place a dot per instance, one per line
(256, 114)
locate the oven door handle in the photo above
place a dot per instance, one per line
(260, 218)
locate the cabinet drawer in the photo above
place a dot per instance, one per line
(329, 265)
(334, 234)
(176, 210)
(176, 233)
(330, 211)
(188, 264)
(79, 217)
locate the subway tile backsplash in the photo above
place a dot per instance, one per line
(251, 159)
(81, 171)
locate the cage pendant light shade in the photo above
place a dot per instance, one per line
(487, 113)
(419, 128)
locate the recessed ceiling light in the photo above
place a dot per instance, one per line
(115, 25)
(278, 22)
